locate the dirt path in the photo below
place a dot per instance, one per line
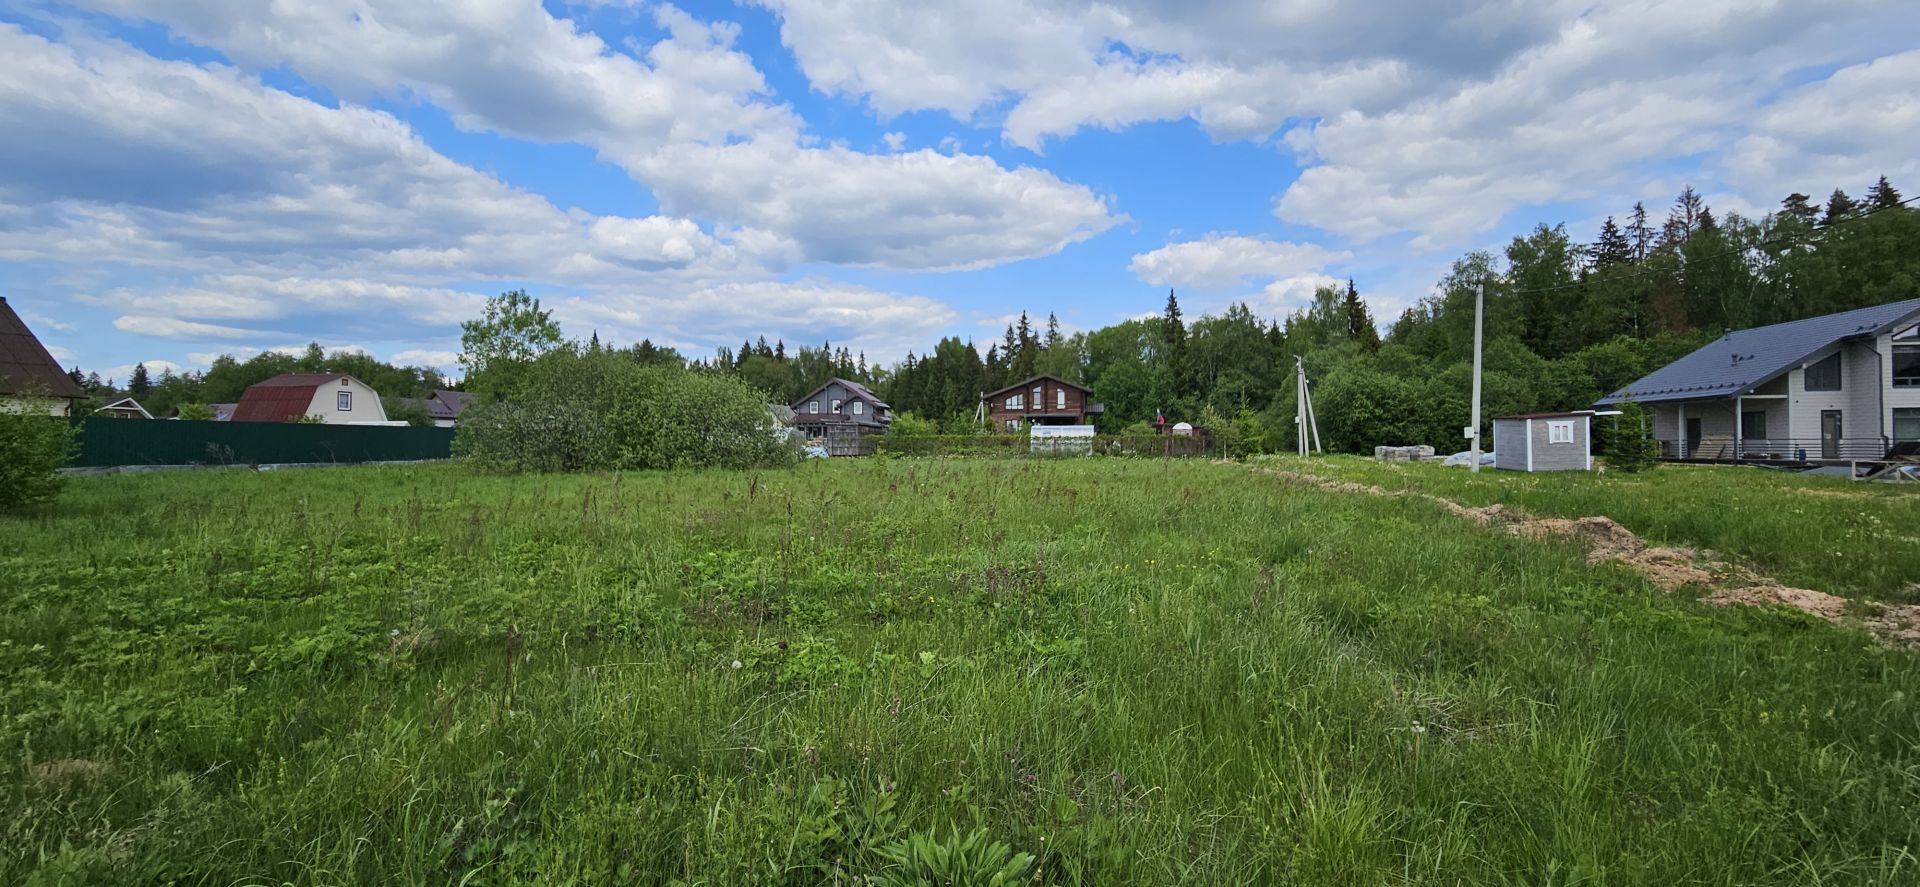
(1670, 568)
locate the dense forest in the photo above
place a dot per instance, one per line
(1567, 322)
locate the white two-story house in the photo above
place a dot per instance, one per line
(1831, 388)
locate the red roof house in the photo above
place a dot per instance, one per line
(336, 398)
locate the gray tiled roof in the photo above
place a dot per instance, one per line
(1740, 361)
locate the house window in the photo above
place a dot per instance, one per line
(1037, 398)
(1014, 402)
(836, 406)
(1059, 398)
(813, 407)
(1906, 360)
(1906, 424)
(1560, 432)
(1013, 424)
(343, 400)
(859, 408)
(1753, 425)
(1825, 375)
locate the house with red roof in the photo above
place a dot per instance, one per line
(333, 398)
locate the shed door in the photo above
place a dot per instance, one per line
(1829, 434)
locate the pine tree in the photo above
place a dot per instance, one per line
(139, 385)
(1883, 195)
(780, 349)
(1801, 207)
(761, 348)
(1054, 339)
(1707, 224)
(1839, 206)
(593, 343)
(1612, 248)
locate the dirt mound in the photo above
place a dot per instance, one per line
(1806, 600)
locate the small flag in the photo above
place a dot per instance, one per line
(1159, 417)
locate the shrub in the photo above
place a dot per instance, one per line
(195, 412)
(410, 410)
(573, 411)
(1630, 444)
(33, 448)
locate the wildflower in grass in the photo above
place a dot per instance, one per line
(1418, 728)
(736, 664)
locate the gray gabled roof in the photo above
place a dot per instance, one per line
(854, 388)
(1741, 361)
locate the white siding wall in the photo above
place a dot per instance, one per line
(366, 406)
(1902, 398)
(1803, 425)
(52, 406)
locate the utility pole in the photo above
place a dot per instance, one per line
(1473, 431)
(1303, 410)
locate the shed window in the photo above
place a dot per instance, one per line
(343, 400)
(1560, 432)
(1059, 398)
(859, 408)
(813, 407)
(1753, 425)
(1825, 375)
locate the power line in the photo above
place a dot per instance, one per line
(1771, 242)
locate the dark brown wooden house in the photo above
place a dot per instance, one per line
(1042, 400)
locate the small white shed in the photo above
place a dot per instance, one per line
(1544, 442)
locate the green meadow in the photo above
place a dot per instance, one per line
(1850, 538)
(1083, 671)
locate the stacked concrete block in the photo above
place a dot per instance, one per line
(1403, 454)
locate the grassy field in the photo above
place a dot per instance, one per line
(1134, 671)
(1859, 540)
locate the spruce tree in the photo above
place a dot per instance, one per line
(139, 385)
(1612, 248)
(1883, 195)
(1639, 233)
(1174, 331)
(1360, 326)
(1839, 206)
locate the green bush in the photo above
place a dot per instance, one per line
(195, 412)
(1629, 444)
(32, 450)
(573, 411)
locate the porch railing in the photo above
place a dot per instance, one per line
(1774, 449)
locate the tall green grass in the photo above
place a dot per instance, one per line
(1135, 671)
(1843, 537)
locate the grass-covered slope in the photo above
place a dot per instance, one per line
(1859, 540)
(1135, 671)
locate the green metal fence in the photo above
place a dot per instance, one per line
(104, 442)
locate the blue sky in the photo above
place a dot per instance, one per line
(185, 178)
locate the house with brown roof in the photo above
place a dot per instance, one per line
(1041, 400)
(124, 408)
(31, 381)
(333, 398)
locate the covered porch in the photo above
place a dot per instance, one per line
(1760, 427)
